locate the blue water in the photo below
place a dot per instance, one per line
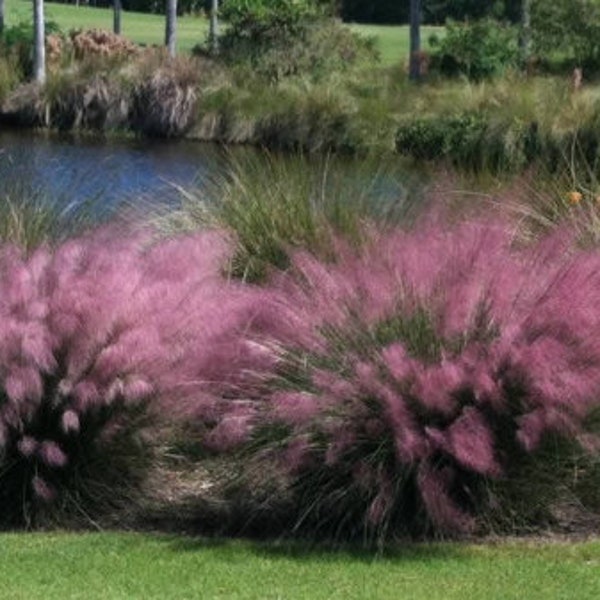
(112, 171)
(108, 174)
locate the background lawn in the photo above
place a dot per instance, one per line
(126, 566)
(150, 29)
(393, 41)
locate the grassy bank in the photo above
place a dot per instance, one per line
(504, 124)
(126, 566)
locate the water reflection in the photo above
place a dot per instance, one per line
(114, 171)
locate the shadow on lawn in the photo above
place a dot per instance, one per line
(286, 549)
(267, 530)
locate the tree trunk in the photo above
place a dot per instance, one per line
(414, 70)
(117, 16)
(525, 38)
(213, 35)
(39, 48)
(171, 27)
(1, 16)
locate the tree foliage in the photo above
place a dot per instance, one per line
(569, 27)
(434, 11)
(278, 38)
(477, 50)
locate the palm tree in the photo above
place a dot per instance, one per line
(39, 49)
(525, 39)
(117, 5)
(414, 71)
(214, 27)
(171, 26)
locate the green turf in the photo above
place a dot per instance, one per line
(130, 566)
(393, 40)
(139, 27)
(149, 29)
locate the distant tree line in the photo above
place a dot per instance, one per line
(146, 6)
(359, 11)
(434, 11)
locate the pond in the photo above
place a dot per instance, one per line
(114, 171)
(118, 172)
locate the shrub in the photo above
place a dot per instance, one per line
(97, 42)
(17, 40)
(415, 373)
(258, 20)
(99, 339)
(471, 140)
(278, 39)
(568, 30)
(477, 50)
(433, 138)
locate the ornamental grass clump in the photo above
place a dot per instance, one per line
(417, 376)
(104, 341)
(32, 215)
(273, 205)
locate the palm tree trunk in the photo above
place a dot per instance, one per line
(171, 27)
(414, 70)
(117, 16)
(525, 38)
(213, 35)
(39, 49)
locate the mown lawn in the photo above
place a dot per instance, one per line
(126, 566)
(150, 29)
(139, 27)
(393, 41)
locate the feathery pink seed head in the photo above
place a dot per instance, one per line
(51, 454)
(27, 446)
(70, 422)
(42, 489)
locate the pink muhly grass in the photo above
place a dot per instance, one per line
(3, 436)
(436, 385)
(471, 443)
(441, 507)
(333, 384)
(295, 408)
(297, 455)
(42, 489)
(51, 454)
(112, 323)
(70, 422)
(83, 396)
(398, 362)
(233, 427)
(27, 446)
(23, 383)
(137, 389)
(480, 377)
(383, 502)
(396, 415)
(436, 340)
(342, 440)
